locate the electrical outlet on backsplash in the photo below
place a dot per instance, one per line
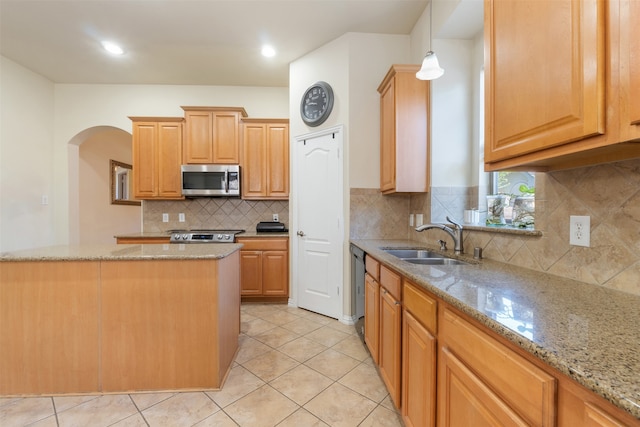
(209, 213)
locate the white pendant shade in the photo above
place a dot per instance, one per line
(430, 69)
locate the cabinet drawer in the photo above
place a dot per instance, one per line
(423, 307)
(525, 387)
(372, 266)
(263, 244)
(391, 282)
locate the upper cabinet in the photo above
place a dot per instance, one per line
(558, 82)
(404, 131)
(265, 159)
(157, 155)
(212, 135)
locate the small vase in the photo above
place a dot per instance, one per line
(524, 211)
(495, 209)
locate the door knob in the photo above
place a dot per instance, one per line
(300, 233)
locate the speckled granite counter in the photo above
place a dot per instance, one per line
(123, 252)
(587, 332)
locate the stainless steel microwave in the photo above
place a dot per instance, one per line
(210, 180)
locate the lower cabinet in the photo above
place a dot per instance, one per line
(390, 342)
(371, 315)
(264, 268)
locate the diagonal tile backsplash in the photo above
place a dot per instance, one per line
(608, 193)
(213, 212)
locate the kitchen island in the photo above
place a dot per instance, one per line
(118, 318)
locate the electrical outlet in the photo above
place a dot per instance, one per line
(275, 218)
(165, 217)
(419, 220)
(580, 230)
(180, 217)
(410, 220)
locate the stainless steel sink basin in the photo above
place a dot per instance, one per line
(422, 256)
(413, 253)
(434, 261)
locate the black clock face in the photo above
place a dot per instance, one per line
(316, 104)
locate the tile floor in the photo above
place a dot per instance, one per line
(294, 368)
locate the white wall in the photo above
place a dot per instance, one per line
(99, 220)
(26, 148)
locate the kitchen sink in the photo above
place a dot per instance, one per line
(422, 256)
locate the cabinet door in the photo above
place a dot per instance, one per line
(418, 374)
(169, 160)
(275, 273)
(544, 88)
(254, 171)
(388, 138)
(467, 401)
(226, 140)
(198, 147)
(145, 155)
(629, 69)
(251, 272)
(390, 344)
(277, 152)
(371, 315)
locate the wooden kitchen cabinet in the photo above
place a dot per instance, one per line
(482, 382)
(404, 131)
(419, 356)
(571, 103)
(212, 135)
(157, 156)
(265, 159)
(371, 315)
(390, 343)
(264, 268)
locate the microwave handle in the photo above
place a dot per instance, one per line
(226, 181)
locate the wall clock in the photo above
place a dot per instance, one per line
(316, 104)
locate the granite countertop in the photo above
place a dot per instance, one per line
(123, 252)
(587, 332)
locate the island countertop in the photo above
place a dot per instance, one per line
(585, 331)
(108, 252)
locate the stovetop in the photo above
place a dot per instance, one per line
(204, 236)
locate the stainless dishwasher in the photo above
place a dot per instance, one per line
(357, 288)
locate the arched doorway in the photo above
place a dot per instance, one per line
(92, 217)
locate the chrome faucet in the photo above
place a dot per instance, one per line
(455, 233)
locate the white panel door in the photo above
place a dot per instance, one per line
(320, 222)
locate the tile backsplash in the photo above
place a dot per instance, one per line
(209, 213)
(608, 193)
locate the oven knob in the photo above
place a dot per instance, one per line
(184, 237)
(219, 236)
(227, 237)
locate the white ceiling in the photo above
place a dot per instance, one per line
(199, 42)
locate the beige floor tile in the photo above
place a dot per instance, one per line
(342, 327)
(326, 336)
(256, 326)
(302, 349)
(21, 412)
(382, 417)
(333, 364)
(239, 383)
(318, 318)
(8, 400)
(67, 402)
(250, 348)
(146, 400)
(388, 403)
(182, 409)
(134, 420)
(301, 384)
(340, 407)
(102, 411)
(276, 337)
(365, 380)
(47, 422)
(270, 365)
(264, 407)
(302, 326)
(281, 317)
(354, 347)
(300, 418)
(219, 419)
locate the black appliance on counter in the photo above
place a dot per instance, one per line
(271, 227)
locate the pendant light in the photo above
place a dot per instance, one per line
(430, 69)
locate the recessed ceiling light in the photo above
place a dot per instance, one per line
(268, 51)
(112, 48)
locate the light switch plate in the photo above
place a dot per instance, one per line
(419, 220)
(180, 217)
(165, 217)
(580, 230)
